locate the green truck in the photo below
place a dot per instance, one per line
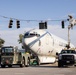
(12, 56)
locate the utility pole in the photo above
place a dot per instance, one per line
(68, 36)
(72, 22)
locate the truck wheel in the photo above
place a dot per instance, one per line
(60, 64)
(9, 65)
(3, 66)
(23, 63)
(28, 63)
(75, 65)
(38, 61)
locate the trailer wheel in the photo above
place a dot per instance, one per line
(3, 66)
(23, 63)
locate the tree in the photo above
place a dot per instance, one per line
(1, 42)
(20, 38)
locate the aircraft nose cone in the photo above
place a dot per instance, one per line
(29, 41)
(26, 41)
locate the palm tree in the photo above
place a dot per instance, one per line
(20, 38)
(1, 42)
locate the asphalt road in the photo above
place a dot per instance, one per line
(38, 70)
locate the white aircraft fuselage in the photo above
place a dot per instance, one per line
(43, 44)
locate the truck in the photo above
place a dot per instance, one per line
(67, 57)
(10, 55)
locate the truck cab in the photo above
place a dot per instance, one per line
(12, 56)
(67, 57)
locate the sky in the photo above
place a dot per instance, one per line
(40, 10)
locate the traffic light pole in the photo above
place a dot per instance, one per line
(69, 35)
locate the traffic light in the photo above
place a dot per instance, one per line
(18, 23)
(43, 25)
(10, 24)
(62, 24)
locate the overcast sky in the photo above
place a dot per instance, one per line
(35, 10)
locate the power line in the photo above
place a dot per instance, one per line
(40, 21)
(28, 20)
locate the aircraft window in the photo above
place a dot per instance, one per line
(32, 34)
(37, 34)
(26, 34)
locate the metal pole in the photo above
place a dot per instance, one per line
(69, 35)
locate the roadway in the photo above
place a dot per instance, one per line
(49, 69)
